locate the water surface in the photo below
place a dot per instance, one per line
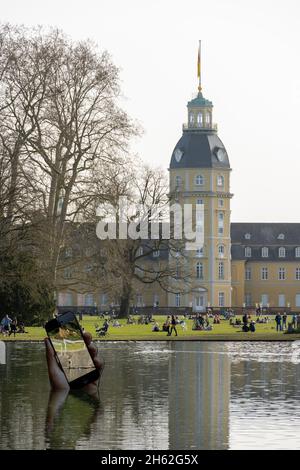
(162, 395)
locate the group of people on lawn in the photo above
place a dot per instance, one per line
(9, 326)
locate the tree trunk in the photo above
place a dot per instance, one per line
(125, 300)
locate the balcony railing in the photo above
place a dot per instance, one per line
(198, 126)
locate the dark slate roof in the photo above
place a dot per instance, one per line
(265, 234)
(199, 151)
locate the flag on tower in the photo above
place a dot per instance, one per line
(198, 64)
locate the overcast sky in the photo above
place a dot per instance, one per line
(250, 70)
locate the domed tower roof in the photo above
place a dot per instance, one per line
(199, 146)
(199, 150)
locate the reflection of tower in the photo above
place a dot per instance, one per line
(200, 174)
(199, 393)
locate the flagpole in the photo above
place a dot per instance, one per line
(199, 67)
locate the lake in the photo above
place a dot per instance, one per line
(160, 395)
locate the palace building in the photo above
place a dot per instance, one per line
(240, 264)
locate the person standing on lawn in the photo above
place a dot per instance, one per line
(173, 326)
(278, 322)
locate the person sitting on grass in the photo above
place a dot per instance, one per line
(116, 324)
(167, 324)
(252, 326)
(155, 327)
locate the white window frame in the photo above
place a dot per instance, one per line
(220, 202)
(281, 252)
(220, 181)
(221, 299)
(264, 300)
(248, 252)
(297, 274)
(297, 300)
(177, 299)
(265, 252)
(221, 251)
(199, 180)
(199, 270)
(248, 299)
(281, 274)
(248, 273)
(297, 252)
(264, 274)
(281, 300)
(221, 271)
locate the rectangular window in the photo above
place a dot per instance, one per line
(297, 274)
(220, 223)
(281, 274)
(89, 300)
(177, 300)
(265, 300)
(156, 300)
(103, 299)
(281, 300)
(264, 274)
(297, 300)
(221, 299)
(248, 274)
(139, 300)
(265, 252)
(220, 202)
(248, 300)
(221, 270)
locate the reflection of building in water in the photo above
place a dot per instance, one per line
(199, 394)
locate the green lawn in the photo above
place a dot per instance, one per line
(224, 331)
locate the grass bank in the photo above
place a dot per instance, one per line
(222, 332)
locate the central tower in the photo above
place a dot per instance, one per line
(200, 174)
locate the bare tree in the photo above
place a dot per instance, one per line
(58, 108)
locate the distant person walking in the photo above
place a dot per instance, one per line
(278, 322)
(173, 326)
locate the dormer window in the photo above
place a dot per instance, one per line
(199, 180)
(192, 118)
(247, 236)
(281, 252)
(280, 236)
(248, 252)
(207, 118)
(265, 252)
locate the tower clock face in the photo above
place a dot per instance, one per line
(220, 155)
(178, 155)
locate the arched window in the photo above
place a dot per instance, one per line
(265, 252)
(192, 118)
(220, 180)
(248, 252)
(199, 252)
(200, 119)
(199, 180)
(199, 270)
(281, 252)
(221, 250)
(207, 118)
